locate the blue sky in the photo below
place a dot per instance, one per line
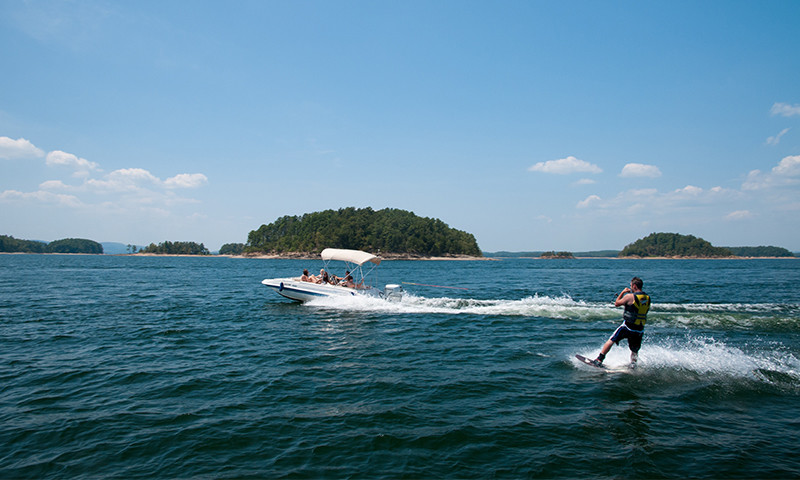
(533, 125)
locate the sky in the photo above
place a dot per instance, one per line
(533, 125)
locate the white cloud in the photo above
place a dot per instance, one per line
(186, 180)
(785, 110)
(689, 190)
(565, 166)
(788, 166)
(124, 196)
(755, 180)
(136, 179)
(652, 202)
(53, 185)
(777, 138)
(42, 197)
(59, 158)
(739, 215)
(585, 181)
(124, 180)
(19, 148)
(787, 172)
(640, 170)
(589, 201)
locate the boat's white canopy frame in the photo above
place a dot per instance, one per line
(353, 256)
(354, 259)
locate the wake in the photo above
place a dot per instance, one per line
(704, 357)
(563, 307)
(766, 316)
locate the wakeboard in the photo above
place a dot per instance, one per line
(626, 368)
(590, 362)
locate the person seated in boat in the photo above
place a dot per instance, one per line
(339, 280)
(305, 277)
(348, 281)
(323, 277)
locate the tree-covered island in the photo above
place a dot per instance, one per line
(232, 249)
(9, 244)
(388, 231)
(175, 248)
(557, 255)
(675, 245)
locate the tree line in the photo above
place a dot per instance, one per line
(673, 245)
(10, 244)
(176, 248)
(762, 251)
(389, 230)
(562, 255)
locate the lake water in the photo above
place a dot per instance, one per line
(143, 367)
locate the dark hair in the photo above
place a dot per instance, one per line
(638, 282)
(305, 271)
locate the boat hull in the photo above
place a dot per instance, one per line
(306, 291)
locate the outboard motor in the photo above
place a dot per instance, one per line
(393, 292)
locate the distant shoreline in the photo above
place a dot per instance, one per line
(395, 256)
(383, 256)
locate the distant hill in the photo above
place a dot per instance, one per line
(115, 248)
(388, 231)
(66, 245)
(10, 244)
(75, 245)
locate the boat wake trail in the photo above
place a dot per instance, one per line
(536, 306)
(762, 317)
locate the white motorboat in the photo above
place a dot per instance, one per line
(355, 261)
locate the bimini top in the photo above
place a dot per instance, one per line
(353, 256)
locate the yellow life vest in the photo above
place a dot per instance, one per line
(635, 315)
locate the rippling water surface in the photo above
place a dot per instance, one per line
(142, 367)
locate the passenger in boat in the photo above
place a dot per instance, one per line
(339, 280)
(323, 277)
(348, 281)
(305, 277)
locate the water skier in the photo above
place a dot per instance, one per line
(637, 304)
